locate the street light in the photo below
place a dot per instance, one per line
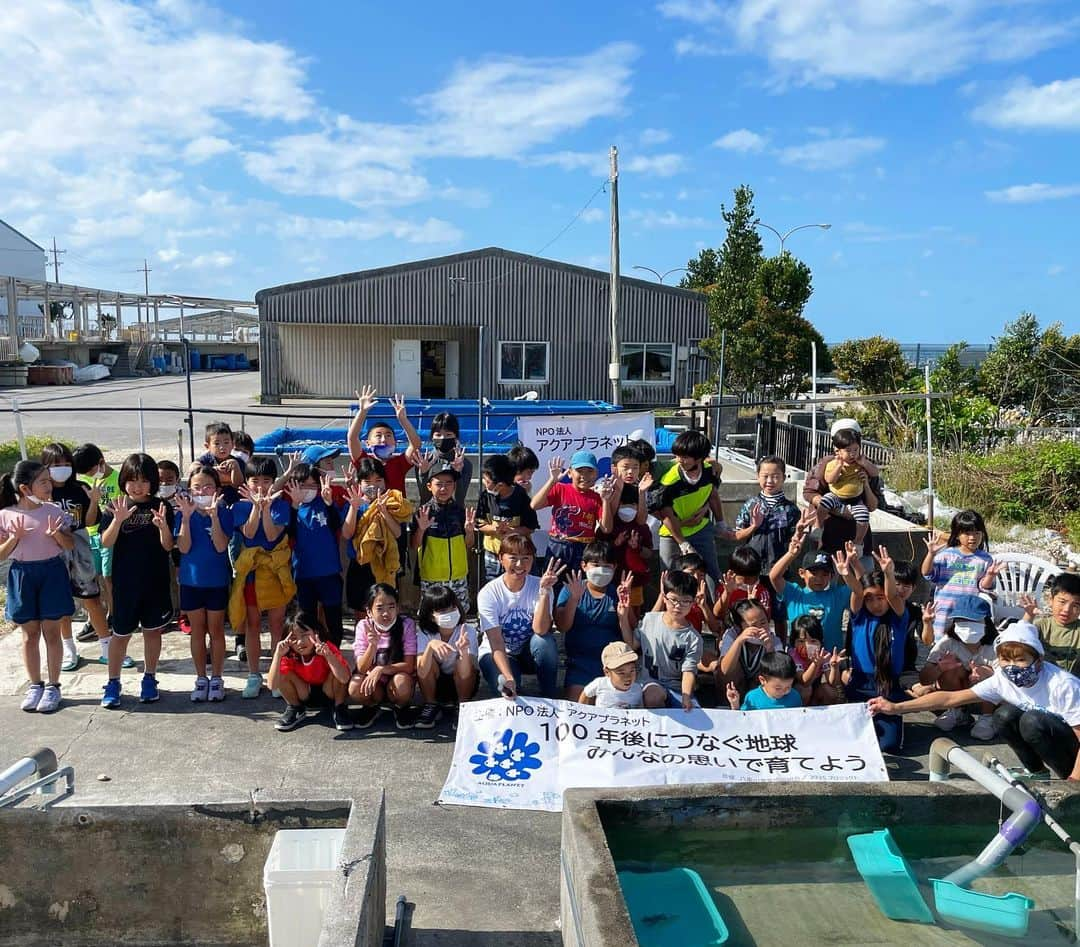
(783, 236)
(660, 276)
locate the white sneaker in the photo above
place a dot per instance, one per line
(984, 728)
(50, 699)
(199, 694)
(948, 719)
(217, 689)
(33, 697)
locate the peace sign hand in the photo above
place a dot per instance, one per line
(326, 489)
(552, 574)
(470, 517)
(458, 463)
(622, 592)
(884, 560)
(320, 647)
(158, 516)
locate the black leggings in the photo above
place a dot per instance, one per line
(1039, 739)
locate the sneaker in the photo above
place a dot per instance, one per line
(951, 719)
(111, 697)
(366, 717)
(32, 698)
(404, 718)
(984, 728)
(184, 625)
(127, 664)
(341, 717)
(50, 700)
(253, 686)
(71, 661)
(291, 718)
(1026, 775)
(429, 713)
(87, 633)
(202, 687)
(217, 690)
(148, 691)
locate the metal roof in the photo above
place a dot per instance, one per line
(38, 289)
(23, 236)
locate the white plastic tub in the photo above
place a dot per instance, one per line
(297, 877)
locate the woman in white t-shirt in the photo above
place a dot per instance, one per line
(446, 648)
(1038, 710)
(515, 618)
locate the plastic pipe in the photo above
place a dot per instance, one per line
(41, 762)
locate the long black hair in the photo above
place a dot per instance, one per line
(968, 521)
(397, 630)
(750, 655)
(436, 598)
(24, 474)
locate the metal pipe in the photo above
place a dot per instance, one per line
(399, 920)
(41, 762)
(18, 427)
(142, 429)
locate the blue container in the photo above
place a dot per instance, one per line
(196, 360)
(889, 877)
(242, 364)
(1005, 914)
(230, 363)
(672, 909)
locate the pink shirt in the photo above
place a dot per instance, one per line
(365, 629)
(35, 546)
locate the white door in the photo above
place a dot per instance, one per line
(453, 368)
(407, 367)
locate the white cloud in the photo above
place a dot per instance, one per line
(167, 256)
(593, 215)
(216, 260)
(665, 220)
(826, 154)
(741, 140)
(690, 46)
(907, 41)
(597, 162)
(1055, 269)
(432, 230)
(654, 136)
(205, 147)
(662, 166)
(1055, 105)
(1034, 193)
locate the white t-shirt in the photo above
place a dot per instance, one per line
(983, 654)
(1056, 692)
(606, 694)
(498, 607)
(447, 664)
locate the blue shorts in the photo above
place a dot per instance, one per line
(321, 590)
(38, 591)
(195, 597)
(579, 671)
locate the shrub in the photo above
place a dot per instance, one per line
(9, 451)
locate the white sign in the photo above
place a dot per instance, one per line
(524, 754)
(562, 435)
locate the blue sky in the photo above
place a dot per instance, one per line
(239, 145)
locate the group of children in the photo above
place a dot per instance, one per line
(243, 540)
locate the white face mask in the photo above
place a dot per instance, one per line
(381, 626)
(370, 491)
(202, 501)
(37, 501)
(242, 455)
(627, 513)
(60, 474)
(969, 632)
(447, 619)
(167, 490)
(601, 576)
(306, 496)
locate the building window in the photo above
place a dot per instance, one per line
(648, 362)
(523, 362)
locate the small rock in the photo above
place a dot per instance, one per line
(104, 778)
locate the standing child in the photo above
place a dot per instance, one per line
(958, 566)
(385, 650)
(168, 487)
(243, 447)
(309, 670)
(138, 528)
(619, 687)
(575, 507)
(446, 439)
(33, 535)
(263, 581)
(91, 467)
(502, 509)
(443, 535)
(624, 520)
(670, 648)
(526, 463)
(767, 522)
(848, 476)
(447, 648)
(776, 686)
(381, 441)
(202, 539)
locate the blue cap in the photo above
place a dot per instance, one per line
(971, 607)
(583, 458)
(313, 456)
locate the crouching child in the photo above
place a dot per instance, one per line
(309, 672)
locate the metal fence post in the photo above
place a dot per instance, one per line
(18, 427)
(142, 429)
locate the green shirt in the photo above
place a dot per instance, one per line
(110, 490)
(684, 499)
(1062, 643)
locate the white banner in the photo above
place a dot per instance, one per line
(522, 755)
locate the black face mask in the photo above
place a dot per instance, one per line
(444, 445)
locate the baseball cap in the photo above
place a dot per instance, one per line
(1021, 632)
(315, 455)
(442, 468)
(817, 561)
(616, 654)
(583, 458)
(845, 424)
(971, 607)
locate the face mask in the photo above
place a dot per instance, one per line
(370, 491)
(241, 455)
(100, 471)
(1021, 677)
(383, 451)
(37, 501)
(167, 490)
(447, 619)
(60, 474)
(445, 445)
(969, 632)
(202, 501)
(381, 626)
(525, 485)
(600, 576)
(627, 513)
(306, 496)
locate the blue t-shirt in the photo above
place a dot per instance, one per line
(863, 631)
(315, 528)
(757, 699)
(596, 624)
(203, 567)
(280, 513)
(827, 607)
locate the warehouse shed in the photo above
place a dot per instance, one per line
(414, 328)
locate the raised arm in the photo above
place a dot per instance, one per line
(365, 398)
(556, 471)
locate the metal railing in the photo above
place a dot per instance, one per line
(797, 447)
(43, 764)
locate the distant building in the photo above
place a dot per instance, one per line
(20, 257)
(919, 354)
(414, 328)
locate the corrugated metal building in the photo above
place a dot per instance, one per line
(414, 328)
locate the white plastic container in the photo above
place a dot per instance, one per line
(297, 877)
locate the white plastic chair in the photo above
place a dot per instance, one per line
(1021, 575)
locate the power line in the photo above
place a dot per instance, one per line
(56, 261)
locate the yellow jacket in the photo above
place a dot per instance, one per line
(374, 544)
(274, 585)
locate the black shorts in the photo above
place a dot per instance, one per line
(446, 690)
(195, 597)
(358, 582)
(317, 697)
(150, 608)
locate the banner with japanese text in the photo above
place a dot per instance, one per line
(523, 754)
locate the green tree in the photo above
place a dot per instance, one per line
(967, 419)
(876, 366)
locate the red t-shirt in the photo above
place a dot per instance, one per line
(630, 560)
(315, 670)
(397, 468)
(574, 514)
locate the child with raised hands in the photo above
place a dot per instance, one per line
(1059, 622)
(446, 441)
(624, 519)
(776, 688)
(744, 645)
(385, 650)
(447, 649)
(743, 579)
(220, 455)
(314, 526)
(958, 565)
(309, 671)
(818, 670)
(34, 534)
(576, 507)
(201, 534)
(138, 528)
(263, 570)
(380, 441)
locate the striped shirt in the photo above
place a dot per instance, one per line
(955, 575)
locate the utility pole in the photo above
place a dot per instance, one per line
(56, 261)
(615, 364)
(146, 271)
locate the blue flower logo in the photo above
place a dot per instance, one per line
(508, 759)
